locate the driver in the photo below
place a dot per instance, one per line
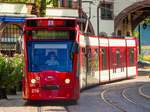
(52, 59)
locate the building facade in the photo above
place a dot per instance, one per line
(14, 12)
(99, 17)
(116, 17)
(12, 17)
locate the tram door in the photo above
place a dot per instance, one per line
(83, 66)
(92, 66)
(131, 61)
(117, 63)
(104, 68)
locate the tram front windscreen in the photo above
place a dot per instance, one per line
(49, 56)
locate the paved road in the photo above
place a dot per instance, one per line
(124, 96)
(121, 96)
(15, 103)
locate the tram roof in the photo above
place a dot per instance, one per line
(42, 18)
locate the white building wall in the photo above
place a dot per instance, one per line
(106, 26)
(119, 5)
(9, 8)
(94, 18)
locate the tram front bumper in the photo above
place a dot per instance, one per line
(52, 92)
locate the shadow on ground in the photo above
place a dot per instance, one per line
(17, 101)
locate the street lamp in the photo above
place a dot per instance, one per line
(80, 8)
(139, 30)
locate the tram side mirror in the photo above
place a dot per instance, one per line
(76, 47)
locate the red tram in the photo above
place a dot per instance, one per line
(60, 60)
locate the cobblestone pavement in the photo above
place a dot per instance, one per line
(124, 96)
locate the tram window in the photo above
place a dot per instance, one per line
(83, 62)
(89, 58)
(88, 51)
(104, 60)
(96, 50)
(110, 57)
(123, 56)
(29, 33)
(118, 57)
(131, 56)
(49, 56)
(96, 59)
(32, 23)
(83, 50)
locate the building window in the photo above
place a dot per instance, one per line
(63, 3)
(106, 10)
(10, 39)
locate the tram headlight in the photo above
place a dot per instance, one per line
(33, 81)
(67, 81)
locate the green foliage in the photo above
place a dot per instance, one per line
(10, 71)
(43, 8)
(141, 57)
(54, 3)
(3, 71)
(136, 34)
(37, 7)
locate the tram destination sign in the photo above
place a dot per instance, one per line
(45, 34)
(50, 23)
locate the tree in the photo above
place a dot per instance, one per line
(10, 74)
(3, 76)
(54, 3)
(37, 7)
(43, 8)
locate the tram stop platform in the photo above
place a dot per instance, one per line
(144, 72)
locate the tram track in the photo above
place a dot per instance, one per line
(131, 100)
(142, 93)
(110, 102)
(107, 99)
(125, 97)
